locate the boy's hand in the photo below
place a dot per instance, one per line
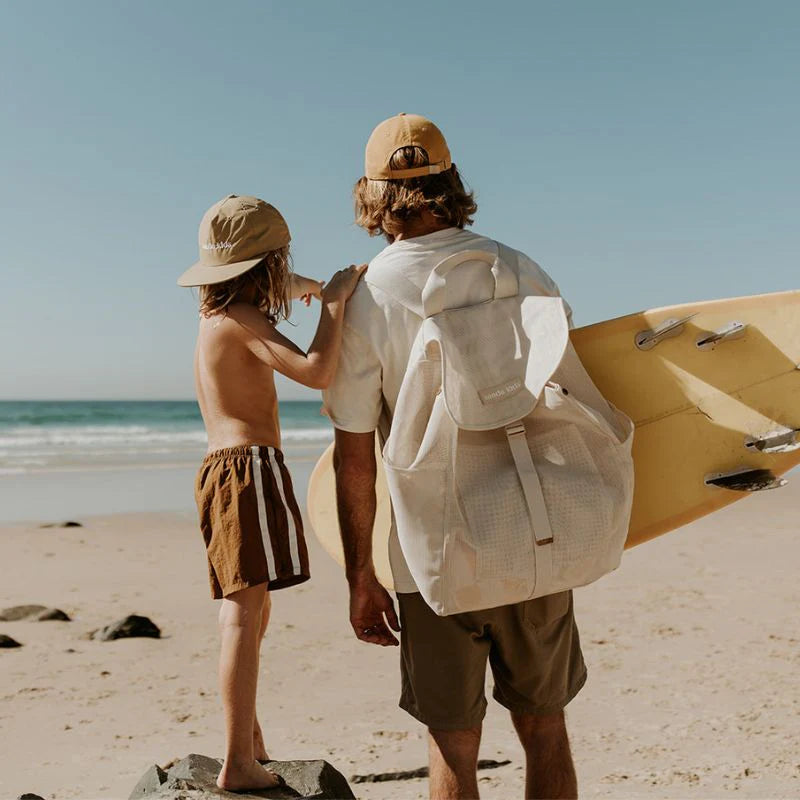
(343, 284)
(305, 289)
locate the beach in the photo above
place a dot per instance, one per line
(691, 644)
(692, 647)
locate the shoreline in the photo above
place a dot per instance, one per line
(92, 490)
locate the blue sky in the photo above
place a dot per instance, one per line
(644, 153)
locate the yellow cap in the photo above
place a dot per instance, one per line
(405, 130)
(235, 234)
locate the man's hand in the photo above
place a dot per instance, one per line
(371, 608)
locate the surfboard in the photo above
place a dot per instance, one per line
(713, 389)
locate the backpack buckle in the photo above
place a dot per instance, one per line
(515, 429)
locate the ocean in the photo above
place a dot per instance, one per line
(46, 436)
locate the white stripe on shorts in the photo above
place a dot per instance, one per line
(293, 547)
(258, 479)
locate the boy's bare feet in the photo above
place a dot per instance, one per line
(236, 777)
(259, 748)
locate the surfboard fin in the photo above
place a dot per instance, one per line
(746, 480)
(783, 440)
(709, 339)
(646, 340)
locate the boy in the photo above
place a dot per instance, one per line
(250, 519)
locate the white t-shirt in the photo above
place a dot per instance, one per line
(379, 333)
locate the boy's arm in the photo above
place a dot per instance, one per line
(302, 287)
(315, 368)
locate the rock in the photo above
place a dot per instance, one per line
(66, 524)
(32, 612)
(317, 779)
(197, 774)
(195, 768)
(149, 782)
(16, 613)
(7, 641)
(29, 796)
(53, 614)
(132, 626)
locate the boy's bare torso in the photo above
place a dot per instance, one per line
(235, 388)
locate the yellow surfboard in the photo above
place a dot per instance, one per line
(714, 391)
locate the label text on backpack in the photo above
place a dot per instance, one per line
(500, 392)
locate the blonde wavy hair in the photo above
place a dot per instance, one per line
(267, 286)
(387, 207)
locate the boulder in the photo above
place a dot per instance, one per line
(199, 771)
(317, 779)
(149, 783)
(195, 777)
(32, 612)
(7, 641)
(130, 627)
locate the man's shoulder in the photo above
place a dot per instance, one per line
(385, 264)
(367, 305)
(524, 260)
(535, 278)
(385, 287)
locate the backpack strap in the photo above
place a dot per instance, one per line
(534, 499)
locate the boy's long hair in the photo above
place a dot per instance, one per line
(266, 285)
(387, 207)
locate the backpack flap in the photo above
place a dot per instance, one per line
(497, 356)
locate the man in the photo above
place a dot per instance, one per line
(413, 195)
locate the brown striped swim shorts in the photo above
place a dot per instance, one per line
(250, 520)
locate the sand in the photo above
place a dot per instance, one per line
(693, 648)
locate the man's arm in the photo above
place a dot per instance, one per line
(372, 611)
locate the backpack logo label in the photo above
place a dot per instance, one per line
(500, 392)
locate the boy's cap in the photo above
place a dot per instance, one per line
(405, 130)
(235, 235)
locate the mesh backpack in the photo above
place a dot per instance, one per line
(510, 475)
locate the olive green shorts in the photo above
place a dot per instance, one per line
(532, 647)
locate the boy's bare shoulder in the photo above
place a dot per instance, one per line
(240, 322)
(248, 316)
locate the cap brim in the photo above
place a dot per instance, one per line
(200, 274)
